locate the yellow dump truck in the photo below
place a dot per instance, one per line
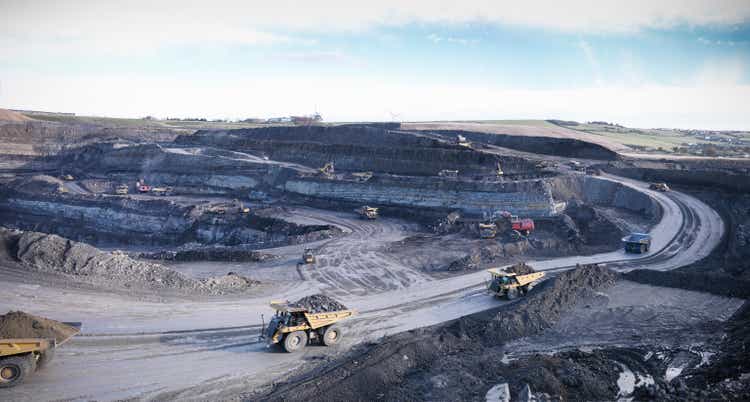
(663, 187)
(294, 327)
(20, 357)
(511, 285)
(308, 257)
(367, 212)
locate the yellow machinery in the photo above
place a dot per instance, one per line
(368, 212)
(663, 187)
(510, 285)
(122, 189)
(21, 357)
(487, 230)
(462, 141)
(327, 170)
(162, 191)
(294, 327)
(308, 257)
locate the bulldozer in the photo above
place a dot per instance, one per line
(308, 257)
(663, 187)
(510, 285)
(487, 230)
(20, 358)
(122, 189)
(294, 327)
(367, 212)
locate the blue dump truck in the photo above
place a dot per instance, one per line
(637, 243)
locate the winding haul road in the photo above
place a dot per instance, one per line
(199, 350)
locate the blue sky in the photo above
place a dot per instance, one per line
(670, 64)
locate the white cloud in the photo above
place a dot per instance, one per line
(588, 52)
(435, 38)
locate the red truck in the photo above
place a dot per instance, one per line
(524, 226)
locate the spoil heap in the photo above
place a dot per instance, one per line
(319, 303)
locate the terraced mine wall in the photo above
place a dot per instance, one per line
(107, 220)
(541, 145)
(202, 173)
(598, 191)
(358, 148)
(527, 198)
(724, 179)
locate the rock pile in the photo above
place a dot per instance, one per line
(84, 263)
(319, 303)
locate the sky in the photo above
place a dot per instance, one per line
(667, 63)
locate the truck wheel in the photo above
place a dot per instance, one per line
(511, 294)
(295, 341)
(332, 335)
(14, 369)
(45, 357)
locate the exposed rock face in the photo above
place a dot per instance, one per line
(103, 219)
(356, 147)
(598, 191)
(544, 145)
(526, 198)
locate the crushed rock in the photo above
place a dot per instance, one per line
(17, 324)
(520, 268)
(319, 303)
(79, 261)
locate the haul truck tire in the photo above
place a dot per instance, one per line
(14, 369)
(295, 341)
(511, 294)
(332, 335)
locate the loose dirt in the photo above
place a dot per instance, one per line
(17, 324)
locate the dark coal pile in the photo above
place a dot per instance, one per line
(521, 269)
(209, 253)
(710, 282)
(17, 324)
(319, 303)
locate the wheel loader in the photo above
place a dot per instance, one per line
(295, 327)
(510, 285)
(20, 357)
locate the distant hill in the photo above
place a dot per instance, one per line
(8, 115)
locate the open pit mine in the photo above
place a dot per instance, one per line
(350, 262)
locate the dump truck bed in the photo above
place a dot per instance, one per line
(317, 320)
(11, 347)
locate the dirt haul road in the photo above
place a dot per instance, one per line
(209, 349)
